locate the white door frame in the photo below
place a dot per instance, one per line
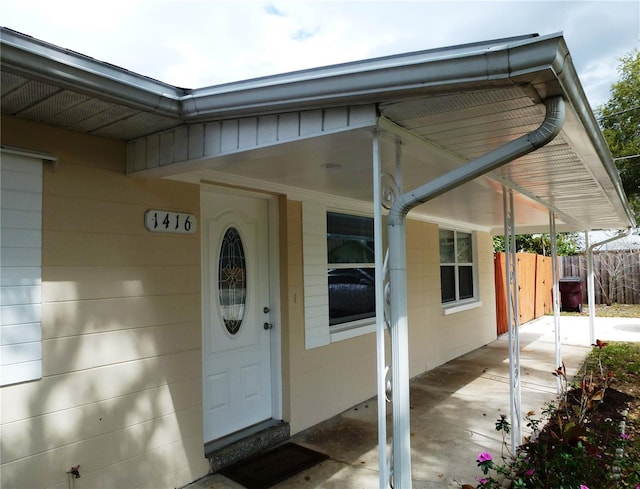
(274, 289)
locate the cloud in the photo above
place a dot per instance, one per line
(273, 10)
(193, 43)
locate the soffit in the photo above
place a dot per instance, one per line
(566, 175)
(41, 101)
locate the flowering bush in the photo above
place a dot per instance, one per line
(578, 447)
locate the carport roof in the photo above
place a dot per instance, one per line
(444, 106)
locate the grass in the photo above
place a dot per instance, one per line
(614, 310)
(591, 437)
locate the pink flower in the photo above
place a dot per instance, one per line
(582, 486)
(482, 480)
(486, 457)
(624, 436)
(529, 472)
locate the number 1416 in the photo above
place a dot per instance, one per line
(158, 221)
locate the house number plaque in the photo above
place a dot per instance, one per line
(158, 221)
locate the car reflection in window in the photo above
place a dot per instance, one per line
(351, 294)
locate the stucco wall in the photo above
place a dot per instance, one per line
(121, 387)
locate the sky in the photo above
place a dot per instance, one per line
(200, 43)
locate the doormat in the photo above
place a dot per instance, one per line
(268, 468)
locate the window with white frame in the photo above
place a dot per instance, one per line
(350, 268)
(457, 275)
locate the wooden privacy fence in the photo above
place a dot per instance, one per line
(616, 275)
(535, 283)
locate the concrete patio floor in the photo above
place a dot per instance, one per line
(453, 411)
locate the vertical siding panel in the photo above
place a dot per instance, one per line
(212, 139)
(247, 132)
(336, 118)
(362, 115)
(153, 151)
(267, 129)
(131, 156)
(229, 136)
(196, 141)
(310, 122)
(316, 286)
(140, 154)
(181, 144)
(215, 138)
(288, 126)
(166, 147)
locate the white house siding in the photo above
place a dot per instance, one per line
(326, 380)
(121, 328)
(435, 338)
(120, 393)
(20, 268)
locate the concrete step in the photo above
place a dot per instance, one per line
(245, 443)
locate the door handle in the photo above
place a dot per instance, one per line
(268, 326)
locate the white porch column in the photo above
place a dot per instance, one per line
(513, 318)
(591, 290)
(381, 320)
(555, 295)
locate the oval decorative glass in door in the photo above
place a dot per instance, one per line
(232, 280)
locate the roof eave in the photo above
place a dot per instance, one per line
(521, 60)
(36, 59)
(573, 92)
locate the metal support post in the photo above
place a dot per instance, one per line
(591, 291)
(513, 318)
(380, 274)
(555, 295)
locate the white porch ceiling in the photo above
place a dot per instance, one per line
(437, 135)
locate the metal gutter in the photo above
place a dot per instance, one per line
(368, 81)
(571, 87)
(550, 127)
(379, 79)
(26, 56)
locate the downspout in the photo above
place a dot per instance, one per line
(550, 127)
(591, 292)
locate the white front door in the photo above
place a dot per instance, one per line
(236, 321)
